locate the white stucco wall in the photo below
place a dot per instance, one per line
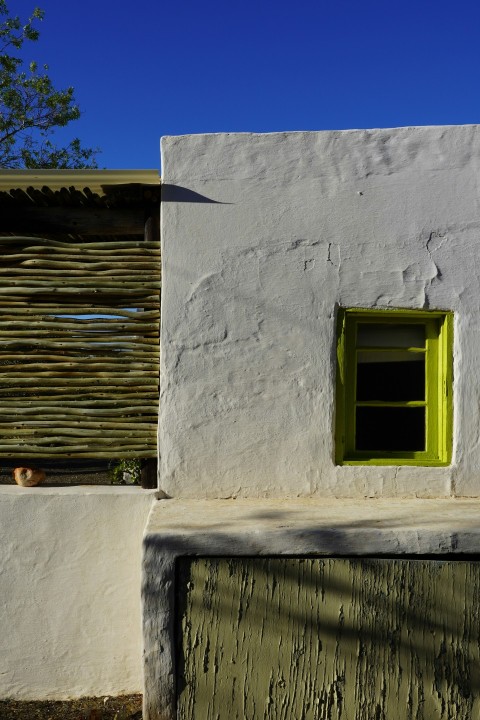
(70, 621)
(263, 237)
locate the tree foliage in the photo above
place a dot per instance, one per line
(30, 106)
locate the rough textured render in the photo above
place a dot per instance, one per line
(70, 624)
(264, 237)
(303, 527)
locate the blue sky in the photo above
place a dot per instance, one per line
(149, 68)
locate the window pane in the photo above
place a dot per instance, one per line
(396, 376)
(390, 429)
(388, 335)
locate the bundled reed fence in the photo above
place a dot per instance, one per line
(79, 348)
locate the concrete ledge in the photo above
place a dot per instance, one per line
(322, 527)
(47, 491)
(294, 526)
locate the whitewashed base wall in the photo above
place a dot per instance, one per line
(70, 623)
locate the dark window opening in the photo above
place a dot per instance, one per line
(391, 380)
(390, 429)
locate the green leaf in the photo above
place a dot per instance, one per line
(31, 108)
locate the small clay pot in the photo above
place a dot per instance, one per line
(28, 477)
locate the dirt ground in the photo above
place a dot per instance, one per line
(127, 707)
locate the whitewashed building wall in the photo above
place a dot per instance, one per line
(264, 237)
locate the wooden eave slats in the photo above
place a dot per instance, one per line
(99, 183)
(77, 203)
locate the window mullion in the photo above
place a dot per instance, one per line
(432, 419)
(350, 385)
(392, 403)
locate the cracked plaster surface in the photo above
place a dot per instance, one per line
(298, 225)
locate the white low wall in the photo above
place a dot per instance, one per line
(70, 623)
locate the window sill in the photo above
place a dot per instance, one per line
(395, 462)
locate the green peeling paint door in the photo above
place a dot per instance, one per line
(336, 639)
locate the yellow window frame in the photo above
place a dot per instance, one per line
(438, 387)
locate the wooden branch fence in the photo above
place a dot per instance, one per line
(79, 348)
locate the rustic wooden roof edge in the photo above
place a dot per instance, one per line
(77, 202)
(99, 182)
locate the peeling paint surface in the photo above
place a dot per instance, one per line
(328, 639)
(279, 528)
(291, 226)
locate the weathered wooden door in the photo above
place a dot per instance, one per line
(328, 639)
